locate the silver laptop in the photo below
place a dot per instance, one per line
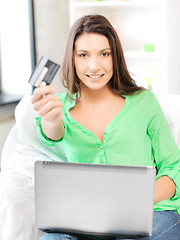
(107, 200)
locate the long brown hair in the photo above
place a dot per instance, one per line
(121, 81)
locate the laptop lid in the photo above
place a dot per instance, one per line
(94, 199)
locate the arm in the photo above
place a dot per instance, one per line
(166, 156)
(49, 107)
(165, 188)
(53, 130)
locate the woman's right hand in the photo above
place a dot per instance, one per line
(49, 107)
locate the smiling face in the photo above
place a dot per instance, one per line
(93, 61)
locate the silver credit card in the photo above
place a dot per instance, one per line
(44, 71)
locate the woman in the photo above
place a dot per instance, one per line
(114, 120)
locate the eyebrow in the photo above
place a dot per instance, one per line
(85, 51)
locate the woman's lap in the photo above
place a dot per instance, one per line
(166, 226)
(58, 236)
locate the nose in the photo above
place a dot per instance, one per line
(94, 64)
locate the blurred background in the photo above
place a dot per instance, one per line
(148, 30)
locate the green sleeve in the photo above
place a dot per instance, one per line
(41, 134)
(165, 150)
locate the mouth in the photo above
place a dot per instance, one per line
(97, 76)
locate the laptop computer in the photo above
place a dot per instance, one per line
(107, 200)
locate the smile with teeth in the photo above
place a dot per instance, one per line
(95, 76)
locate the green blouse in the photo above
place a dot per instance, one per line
(139, 135)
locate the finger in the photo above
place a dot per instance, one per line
(50, 98)
(49, 106)
(53, 114)
(39, 92)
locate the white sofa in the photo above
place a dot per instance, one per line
(22, 149)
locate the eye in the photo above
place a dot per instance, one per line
(83, 55)
(105, 54)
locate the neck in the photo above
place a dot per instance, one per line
(95, 96)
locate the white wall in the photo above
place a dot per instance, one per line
(173, 41)
(15, 47)
(52, 26)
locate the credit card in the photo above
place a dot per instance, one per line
(44, 71)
